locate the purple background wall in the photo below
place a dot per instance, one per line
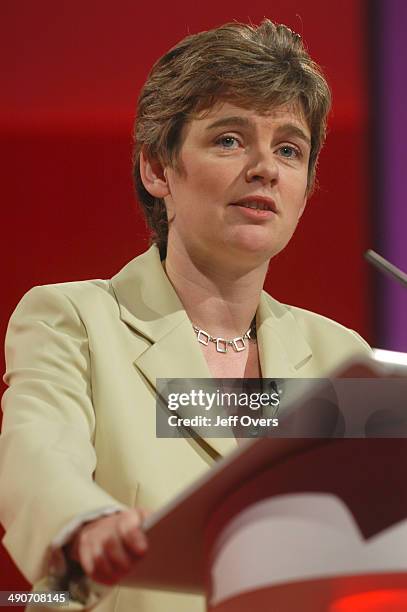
(392, 228)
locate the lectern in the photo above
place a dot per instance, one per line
(292, 524)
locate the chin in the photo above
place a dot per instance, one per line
(259, 244)
(256, 252)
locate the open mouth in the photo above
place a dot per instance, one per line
(254, 205)
(257, 204)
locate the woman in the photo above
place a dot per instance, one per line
(229, 127)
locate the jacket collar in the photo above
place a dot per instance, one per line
(283, 349)
(149, 304)
(146, 298)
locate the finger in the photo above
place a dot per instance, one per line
(138, 514)
(131, 534)
(96, 564)
(112, 560)
(107, 571)
(85, 559)
(135, 516)
(82, 551)
(102, 565)
(144, 513)
(135, 542)
(107, 548)
(109, 579)
(117, 554)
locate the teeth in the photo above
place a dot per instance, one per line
(255, 205)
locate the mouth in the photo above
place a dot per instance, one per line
(257, 203)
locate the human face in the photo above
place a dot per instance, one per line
(232, 155)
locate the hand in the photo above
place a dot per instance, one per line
(107, 546)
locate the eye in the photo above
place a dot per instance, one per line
(289, 152)
(228, 142)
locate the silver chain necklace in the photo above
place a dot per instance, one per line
(238, 343)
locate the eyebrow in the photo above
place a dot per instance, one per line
(290, 129)
(287, 129)
(232, 120)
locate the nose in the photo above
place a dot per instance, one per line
(263, 168)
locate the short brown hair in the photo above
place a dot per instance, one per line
(257, 67)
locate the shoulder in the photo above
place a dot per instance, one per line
(316, 326)
(99, 293)
(75, 296)
(98, 305)
(58, 314)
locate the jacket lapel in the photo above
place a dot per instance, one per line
(283, 349)
(149, 304)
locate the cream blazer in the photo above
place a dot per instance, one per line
(79, 414)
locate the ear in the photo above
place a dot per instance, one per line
(153, 176)
(302, 208)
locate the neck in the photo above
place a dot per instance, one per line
(218, 298)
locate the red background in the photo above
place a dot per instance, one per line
(71, 73)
